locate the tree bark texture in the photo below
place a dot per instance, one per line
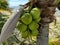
(42, 38)
(47, 15)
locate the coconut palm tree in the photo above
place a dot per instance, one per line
(47, 8)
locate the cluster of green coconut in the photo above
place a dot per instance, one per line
(29, 23)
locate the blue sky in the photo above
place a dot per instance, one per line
(13, 3)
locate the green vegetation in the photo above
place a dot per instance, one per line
(4, 4)
(3, 19)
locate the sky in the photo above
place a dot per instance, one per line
(13, 3)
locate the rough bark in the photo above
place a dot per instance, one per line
(42, 38)
(43, 35)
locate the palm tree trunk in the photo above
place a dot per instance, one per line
(42, 38)
(47, 16)
(43, 35)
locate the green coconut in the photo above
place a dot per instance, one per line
(34, 32)
(26, 18)
(22, 27)
(35, 12)
(38, 20)
(24, 34)
(33, 25)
